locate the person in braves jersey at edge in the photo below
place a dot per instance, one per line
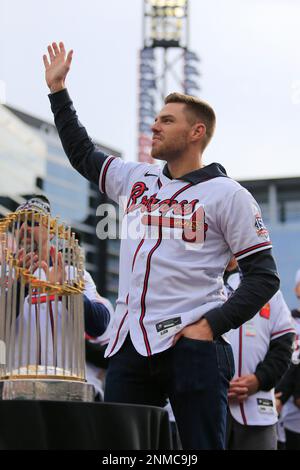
(262, 349)
(288, 390)
(288, 407)
(171, 311)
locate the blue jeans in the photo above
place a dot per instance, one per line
(193, 374)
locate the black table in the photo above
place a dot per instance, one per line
(42, 425)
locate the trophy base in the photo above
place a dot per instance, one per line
(46, 390)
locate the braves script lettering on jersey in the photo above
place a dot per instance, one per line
(250, 344)
(171, 274)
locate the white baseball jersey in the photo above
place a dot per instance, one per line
(291, 413)
(297, 277)
(178, 236)
(38, 313)
(250, 344)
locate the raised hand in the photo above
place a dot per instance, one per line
(57, 66)
(57, 273)
(28, 261)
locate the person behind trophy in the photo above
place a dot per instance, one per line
(44, 312)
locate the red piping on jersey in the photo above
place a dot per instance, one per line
(39, 345)
(103, 178)
(289, 330)
(240, 350)
(43, 299)
(240, 371)
(118, 334)
(136, 252)
(181, 191)
(119, 329)
(247, 250)
(147, 274)
(52, 325)
(143, 305)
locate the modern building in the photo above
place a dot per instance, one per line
(279, 200)
(32, 161)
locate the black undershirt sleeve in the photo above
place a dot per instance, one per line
(296, 391)
(276, 362)
(96, 317)
(259, 283)
(289, 384)
(83, 154)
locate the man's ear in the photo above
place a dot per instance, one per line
(198, 132)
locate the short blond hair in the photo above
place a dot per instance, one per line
(197, 110)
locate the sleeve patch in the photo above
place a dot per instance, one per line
(260, 227)
(265, 312)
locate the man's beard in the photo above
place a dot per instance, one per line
(169, 152)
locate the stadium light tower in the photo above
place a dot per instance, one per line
(166, 63)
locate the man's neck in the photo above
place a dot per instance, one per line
(180, 168)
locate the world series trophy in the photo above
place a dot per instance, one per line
(42, 344)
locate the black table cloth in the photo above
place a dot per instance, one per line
(90, 426)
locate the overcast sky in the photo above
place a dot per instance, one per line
(250, 51)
